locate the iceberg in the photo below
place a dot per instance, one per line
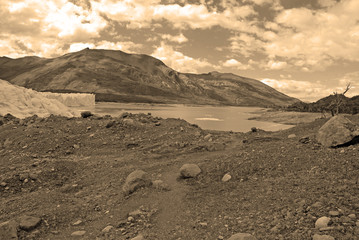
(22, 102)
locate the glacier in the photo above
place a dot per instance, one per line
(22, 102)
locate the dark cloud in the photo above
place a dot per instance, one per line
(85, 4)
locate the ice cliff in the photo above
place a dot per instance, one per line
(22, 102)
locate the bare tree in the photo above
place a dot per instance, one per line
(338, 100)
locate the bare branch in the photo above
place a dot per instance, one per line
(347, 88)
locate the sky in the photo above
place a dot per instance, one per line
(304, 48)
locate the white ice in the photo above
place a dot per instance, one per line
(22, 102)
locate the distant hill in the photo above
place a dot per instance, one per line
(121, 77)
(327, 104)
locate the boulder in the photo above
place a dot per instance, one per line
(242, 236)
(28, 223)
(337, 131)
(136, 180)
(190, 170)
(8, 230)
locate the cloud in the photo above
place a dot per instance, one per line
(276, 65)
(233, 63)
(316, 38)
(178, 61)
(303, 90)
(178, 39)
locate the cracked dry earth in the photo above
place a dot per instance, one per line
(70, 173)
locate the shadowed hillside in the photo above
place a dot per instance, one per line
(327, 104)
(120, 77)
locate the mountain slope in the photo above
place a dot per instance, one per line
(118, 76)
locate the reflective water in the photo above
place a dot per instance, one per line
(223, 118)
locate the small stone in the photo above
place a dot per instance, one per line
(28, 223)
(322, 222)
(86, 114)
(3, 184)
(76, 146)
(26, 180)
(220, 237)
(334, 213)
(345, 219)
(8, 230)
(33, 176)
(322, 237)
(110, 124)
(242, 236)
(78, 233)
(292, 136)
(189, 170)
(203, 224)
(107, 229)
(357, 223)
(207, 137)
(23, 176)
(138, 237)
(352, 216)
(78, 222)
(130, 219)
(326, 229)
(226, 177)
(135, 213)
(88, 128)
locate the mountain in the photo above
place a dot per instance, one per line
(121, 77)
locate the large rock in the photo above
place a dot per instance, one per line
(242, 236)
(28, 223)
(136, 180)
(189, 170)
(337, 131)
(8, 230)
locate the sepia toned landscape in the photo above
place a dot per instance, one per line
(179, 120)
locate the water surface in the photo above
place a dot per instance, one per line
(224, 118)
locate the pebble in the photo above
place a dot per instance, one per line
(334, 213)
(292, 136)
(138, 237)
(226, 177)
(28, 223)
(322, 222)
(322, 237)
(78, 222)
(3, 184)
(352, 216)
(107, 229)
(242, 236)
(78, 233)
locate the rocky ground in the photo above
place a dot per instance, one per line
(64, 178)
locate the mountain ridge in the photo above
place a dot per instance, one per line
(117, 76)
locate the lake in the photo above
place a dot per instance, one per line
(223, 118)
